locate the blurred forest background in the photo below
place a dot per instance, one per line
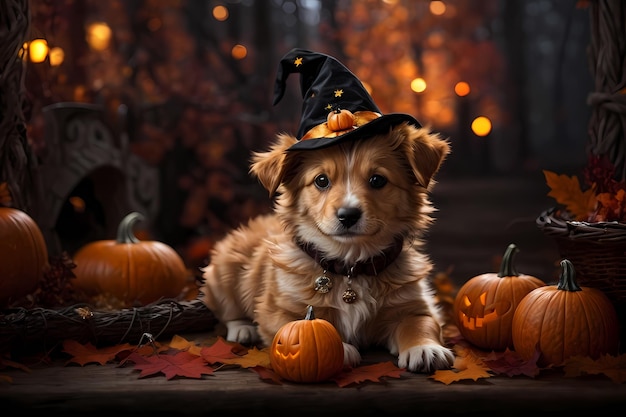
(196, 78)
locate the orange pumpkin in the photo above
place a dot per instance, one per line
(23, 254)
(339, 120)
(308, 350)
(131, 270)
(484, 306)
(565, 320)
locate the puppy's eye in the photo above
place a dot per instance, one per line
(322, 182)
(378, 181)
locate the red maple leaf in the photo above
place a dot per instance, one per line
(87, 353)
(182, 364)
(266, 374)
(220, 350)
(367, 373)
(510, 363)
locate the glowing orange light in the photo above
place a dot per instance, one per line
(418, 85)
(220, 13)
(38, 50)
(481, 126)
(98, 36)
(462, 88)
(239, 52)
(437, 7)
(56, 55)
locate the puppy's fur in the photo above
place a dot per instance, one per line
(259, 278)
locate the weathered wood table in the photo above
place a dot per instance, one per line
(95, 390)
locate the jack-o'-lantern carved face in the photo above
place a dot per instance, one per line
(288, 346)
(484, 306)
(308, 350)
(476, 313)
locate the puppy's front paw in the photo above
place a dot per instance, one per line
(241, 331)
(426, 358)
(351, 355)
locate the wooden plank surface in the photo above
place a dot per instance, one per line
(110, 390)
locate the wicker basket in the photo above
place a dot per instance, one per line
(597, 251)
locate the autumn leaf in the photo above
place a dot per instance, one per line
(183, 364)
(367, 373)
(613, 367)
(182, 344)
(254, 357)
(467, 365)
(566, 191)
(266, 374)
(7, 363)
(84, 354)
(510, 363)
(220, 351)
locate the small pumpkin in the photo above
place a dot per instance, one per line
(340, 119)
(23, 254)
(484, 306)
(131, 270)
(565, 320)
(308, 350)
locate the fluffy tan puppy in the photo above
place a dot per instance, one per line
(345, 237)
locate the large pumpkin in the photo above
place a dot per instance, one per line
(23, 254)
(128, 269)
(484, 306)
(308, 350)
(565, 320)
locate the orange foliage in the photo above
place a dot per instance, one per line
(566, 191)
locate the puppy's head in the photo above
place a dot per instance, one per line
(353, 199)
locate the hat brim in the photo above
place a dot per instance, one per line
(377, 126)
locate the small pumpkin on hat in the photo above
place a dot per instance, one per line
(336, 106)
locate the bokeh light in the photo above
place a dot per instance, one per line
(462, 89)
(56, 55)
(437, 7)
(481, 126)
(418, 85)
(98, 36)
(239, 52)
(38, 50)
(220, 13)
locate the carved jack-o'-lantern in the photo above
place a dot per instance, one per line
(484, 305)
(308, 350)
(478, 313)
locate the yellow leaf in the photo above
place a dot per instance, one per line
(254, 357)
(567, 192)
(180, 343)
(613, 367)
(466, 366)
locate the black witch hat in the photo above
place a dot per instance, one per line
(329, 87)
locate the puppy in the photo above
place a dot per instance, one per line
(345, 236)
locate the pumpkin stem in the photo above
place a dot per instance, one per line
(125, 229)
(567, 279)
(309, 313)
(506, 267)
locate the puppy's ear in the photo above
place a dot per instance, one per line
(427, 153)
(271, 167)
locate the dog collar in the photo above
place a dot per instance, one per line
(371, 266)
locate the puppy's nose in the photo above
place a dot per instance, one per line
(348, 216)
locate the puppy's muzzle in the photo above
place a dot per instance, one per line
(348, 216)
